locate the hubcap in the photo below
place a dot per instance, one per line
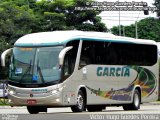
(136, 100)
(80, 101)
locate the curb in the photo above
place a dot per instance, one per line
(9, 107)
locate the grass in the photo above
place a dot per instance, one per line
(3, 102)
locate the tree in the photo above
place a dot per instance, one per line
(15, 21)
(61, 15)
(147, 29)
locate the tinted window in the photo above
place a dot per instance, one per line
(70, 59)
(113, 53)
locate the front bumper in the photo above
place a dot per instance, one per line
(51, 100)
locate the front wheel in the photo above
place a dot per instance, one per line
(81, 104)
(95, 108)
(32, 110)
(36, 109)
(136, 102)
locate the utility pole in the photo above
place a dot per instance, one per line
(136, 27)
(119, 23)
(123, 30)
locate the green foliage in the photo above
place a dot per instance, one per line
(15, 21)
(61, 15)
(147, 29)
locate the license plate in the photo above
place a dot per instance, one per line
(31, 102)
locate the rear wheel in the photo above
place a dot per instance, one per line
(81, 104)
(136, 102)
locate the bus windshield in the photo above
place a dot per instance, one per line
(35, 65)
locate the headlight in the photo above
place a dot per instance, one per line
(11, 92)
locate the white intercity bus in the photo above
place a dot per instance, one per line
(81, 70)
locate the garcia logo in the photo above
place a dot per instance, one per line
(114, 72)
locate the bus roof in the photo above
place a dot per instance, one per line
(62, 37)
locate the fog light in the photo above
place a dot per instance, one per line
(11, 92)
(57, 100)
(9, 100)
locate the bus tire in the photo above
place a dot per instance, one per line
(95, 108)
(32, 109)
(81, 104)
(135, 105)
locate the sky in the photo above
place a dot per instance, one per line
(111, 18)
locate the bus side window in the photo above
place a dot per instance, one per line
(66, 65)
(70, 59)
(111, 55)
(85, 58)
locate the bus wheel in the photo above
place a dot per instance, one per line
(95, 108)
(81, 104)
(136, 102)
(32, 109)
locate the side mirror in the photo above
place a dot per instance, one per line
(62, 54)
(3, 56)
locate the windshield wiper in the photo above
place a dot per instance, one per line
(27, 70)
(40, 72)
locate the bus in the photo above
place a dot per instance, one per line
(81, 70)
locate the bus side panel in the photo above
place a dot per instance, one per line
(115, 84)
(102, 83)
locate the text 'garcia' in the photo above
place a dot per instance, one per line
(114, 72)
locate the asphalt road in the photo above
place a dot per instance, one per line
(147, 112)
